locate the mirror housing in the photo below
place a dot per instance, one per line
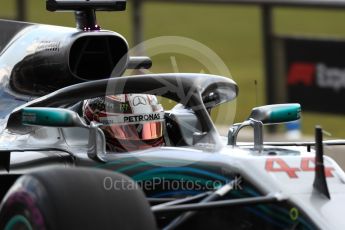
(51, 117)
(278, 113)
(64, 118)
(268, 114)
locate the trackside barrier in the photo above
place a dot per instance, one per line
(288, 77)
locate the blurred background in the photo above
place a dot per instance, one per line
(233, 32)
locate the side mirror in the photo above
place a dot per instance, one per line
(64, 118)
(52, 117)
(268, 114)
(279, 113)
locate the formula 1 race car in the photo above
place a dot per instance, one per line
(56, 172)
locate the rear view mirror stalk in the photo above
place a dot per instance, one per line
(96, 150)
(258, 133)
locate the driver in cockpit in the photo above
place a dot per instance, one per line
(130, 121)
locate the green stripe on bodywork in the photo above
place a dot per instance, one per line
(183, 171)
(161, 163)
(171, 176)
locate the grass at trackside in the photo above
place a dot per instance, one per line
(233, 32)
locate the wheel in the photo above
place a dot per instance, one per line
(80, 198)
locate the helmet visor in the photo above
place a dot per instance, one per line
(145, 131)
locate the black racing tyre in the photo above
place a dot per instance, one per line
(80, 198)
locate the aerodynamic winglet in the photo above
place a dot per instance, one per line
(320, 183)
